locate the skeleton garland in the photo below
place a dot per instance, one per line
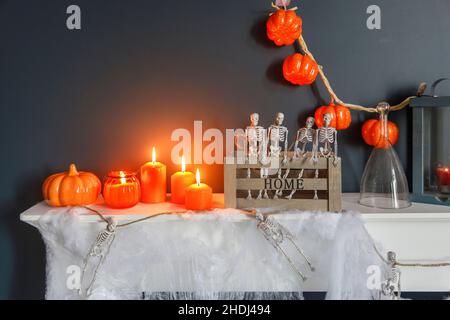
(272, 144)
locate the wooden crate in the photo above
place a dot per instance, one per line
(328, 185)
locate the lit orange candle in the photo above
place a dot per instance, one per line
(153, 181)
(121, 190)
(198, 195)
(179, 182)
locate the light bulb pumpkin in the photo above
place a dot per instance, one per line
(71, 188)
(300, 69)
(372, 132)
(341, 118)
(284, 27)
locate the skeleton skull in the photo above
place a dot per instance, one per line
(310, 122)
(279, 118)
(391, 256)
(327, 119)
(254, 119)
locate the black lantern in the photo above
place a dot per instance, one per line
(431, 148)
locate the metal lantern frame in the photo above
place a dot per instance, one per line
(422, 149)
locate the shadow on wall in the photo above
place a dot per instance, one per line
(22, 248)
(258, 32)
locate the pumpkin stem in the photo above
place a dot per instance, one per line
(73, 170)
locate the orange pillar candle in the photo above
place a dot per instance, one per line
(179, 182)
(198, 195)
(121, 190)
(153, 181)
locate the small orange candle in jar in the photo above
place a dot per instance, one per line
(153, 181)
(198, 195)
(179, 182)
(121, 190)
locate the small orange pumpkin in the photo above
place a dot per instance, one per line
(284, 27)
(372, 131)
(71, 188)
(300, 69)
(341, 118)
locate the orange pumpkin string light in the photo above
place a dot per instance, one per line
(300, 69)
(341, 117)
(372, 132)
(334, 99)
(284, 27)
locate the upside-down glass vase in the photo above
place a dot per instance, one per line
(384, 184)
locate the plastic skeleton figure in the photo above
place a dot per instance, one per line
(305, 136)
(278, 134)
(391, 287)
(256, 139)
(276, 235)
(326, 139)
(99, 250)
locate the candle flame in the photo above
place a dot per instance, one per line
(153, 155)
(197, 176)
(122, 177)
(183, 164)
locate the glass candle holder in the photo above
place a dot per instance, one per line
(443, 179)
(121, 190)
(384, 183)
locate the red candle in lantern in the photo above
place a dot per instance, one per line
(153, 181)
(443, 175)
(198, 195)
(121, 190)
(179, 182)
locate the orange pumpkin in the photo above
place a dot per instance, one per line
(372, 132)
(284, 27)
(300, 69)
(341, 118)
(71, 188)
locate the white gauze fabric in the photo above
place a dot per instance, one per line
(219, 255)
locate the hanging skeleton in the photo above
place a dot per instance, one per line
(391, 287)
(276, 234)
(256, 140)
(305, 136)
(278, 143)
(99, 251)
(326, 139)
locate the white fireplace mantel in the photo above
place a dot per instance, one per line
(420, 232)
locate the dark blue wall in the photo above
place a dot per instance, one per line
(138, 69)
